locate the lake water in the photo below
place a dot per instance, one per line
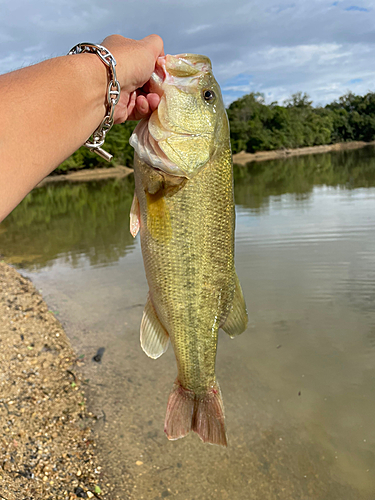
(298, 385)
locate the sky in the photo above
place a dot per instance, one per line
(324, 48)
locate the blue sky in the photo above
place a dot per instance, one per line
(320, 47)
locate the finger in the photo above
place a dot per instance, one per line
(131, 106)
(131, 103)
(153, 101)
(142, 105)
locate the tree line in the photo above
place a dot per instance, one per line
(257, 126)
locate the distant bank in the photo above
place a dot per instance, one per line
(118, 172)
(243, 158)
(89, 174)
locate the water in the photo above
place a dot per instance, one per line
(298, 385)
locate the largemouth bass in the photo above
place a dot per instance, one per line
(184, 209)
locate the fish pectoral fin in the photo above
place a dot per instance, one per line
(237, 319)
(154, 337)
(135, 217)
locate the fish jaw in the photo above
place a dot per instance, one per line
(149, 151)
(179, 138)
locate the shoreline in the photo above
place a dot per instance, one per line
(119, 172)
(94, 174)
(243, 158)
(47, 443)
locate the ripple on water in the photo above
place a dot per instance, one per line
(297, 385)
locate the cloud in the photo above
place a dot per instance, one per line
(273, 47)
(356, 8)
(196, 29)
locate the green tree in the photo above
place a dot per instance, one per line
(257, 126)
(117, 143)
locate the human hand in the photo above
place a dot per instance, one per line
(135, 64)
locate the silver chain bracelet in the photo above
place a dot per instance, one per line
(113, 96)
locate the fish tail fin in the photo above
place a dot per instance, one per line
(203, 414)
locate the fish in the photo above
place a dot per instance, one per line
(183, 208)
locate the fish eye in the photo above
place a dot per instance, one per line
(208, 95)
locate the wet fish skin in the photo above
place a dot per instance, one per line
(184, 209)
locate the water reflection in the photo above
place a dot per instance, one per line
(256, 182)
(70, 221)
(90, 220)
(298, 385)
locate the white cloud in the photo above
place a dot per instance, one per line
(283, 46)
(300, 55)
(196, 29)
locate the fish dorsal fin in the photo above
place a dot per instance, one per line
(135, 217)
(154, 338)
(237, 319)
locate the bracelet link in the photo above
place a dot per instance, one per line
(113, 96)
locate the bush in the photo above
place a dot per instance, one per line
(117, 143)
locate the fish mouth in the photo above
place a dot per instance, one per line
(182, 70)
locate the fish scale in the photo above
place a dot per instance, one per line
(186, 225)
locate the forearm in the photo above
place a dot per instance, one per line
(47, 112)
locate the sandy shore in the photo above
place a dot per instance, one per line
(47, 447)
(243, 158)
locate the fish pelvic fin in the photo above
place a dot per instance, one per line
(201, 413)
(135, 217)
(154, 337)
(237, 319)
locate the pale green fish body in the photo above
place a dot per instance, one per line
(184, 209)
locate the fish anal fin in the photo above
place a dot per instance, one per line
(135, 217)
(237, 318)
(154, 338)
(203, 414)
